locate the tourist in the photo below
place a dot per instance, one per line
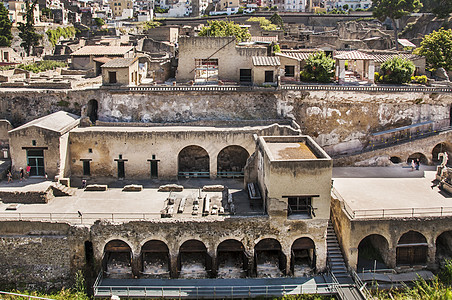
(413, 165)
(10, 176)
(83, 183)
(21, 174)
(418, 164)
(28, 169)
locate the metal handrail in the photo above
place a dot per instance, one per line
(25, 296)
(361, 286)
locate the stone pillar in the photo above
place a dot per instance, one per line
(173, 264)
(341, 71)
(288, 254)
(251, 270)
(213, 166)
(353, 258)
(391, 258)
(136, 264)
(213, 261)
(431, 254)
(371, 71)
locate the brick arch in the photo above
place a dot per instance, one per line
(389, 238)
(135, 250)
(225, 238)
(441, 147)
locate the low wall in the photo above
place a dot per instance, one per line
(31, 197)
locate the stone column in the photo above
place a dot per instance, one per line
(213, 165)
(371, 71)
(136, 264)
(173, 264)
(341, 71)
(213, 261)
(287, 253)
(251, 270)
(431, 254)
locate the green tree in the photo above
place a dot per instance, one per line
(224, 28)
(397, 70)
(99, 22)
(345, 7)
(277, 20)
(263, 23)
(319, 67)
(437, 49)
(440, 8)
(394, 9)
(5, 27)
(27, 31)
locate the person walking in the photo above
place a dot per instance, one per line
(28, 169)
(413, 165)
(21, 174)
(10, 176)
(418, 164)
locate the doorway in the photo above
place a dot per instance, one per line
(154, 169)
(35, 159)
(121, 170)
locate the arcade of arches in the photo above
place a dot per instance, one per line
(193, 260)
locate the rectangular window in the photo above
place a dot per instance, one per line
(245, 75)
(299, 205)
(86, 168)
(268, 76)
(290, 71)
(112, 77)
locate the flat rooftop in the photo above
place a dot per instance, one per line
(288, 151)
(385, 192)
(117, 206)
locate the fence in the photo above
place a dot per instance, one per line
(23, 296)
(301, 87)
(413, 212)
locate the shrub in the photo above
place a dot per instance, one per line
(397, 70)
(320, 67)
(263, 23)
(42, 66)
(276, 48)
(54, 35)
(377, 77)
(419, 79)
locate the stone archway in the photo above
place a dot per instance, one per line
(232, 261)
(422, 158)
(443, 248)
(441, 148)
(269, 259)
(194, 161)
(193, 260)
(373, 251)
(231, 160)
(92, 110)
(155, 260)
(117, 262)
(303, 257)
(411, 249)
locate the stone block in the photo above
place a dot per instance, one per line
(96, 188)
(171, 188)
(213, 188)
(65, 181)
(132, 188)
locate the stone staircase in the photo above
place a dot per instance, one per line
(335, 258)
(60, 190)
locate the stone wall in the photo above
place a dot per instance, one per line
(337, 120)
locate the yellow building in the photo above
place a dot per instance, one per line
(117, 7)
(17, 12)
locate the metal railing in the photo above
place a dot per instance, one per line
(23, 296)
(412, 212)
(303, 87)
(361, 286)
(194, 174)
(230, 174)
(91, 217)
(219, 292)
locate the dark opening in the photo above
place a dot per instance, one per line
(245, 75)
(117, 262)
(450, 116)
(86, 168)
(194, 161)
(268, 76)
(371, 251)
(412, 249)
(121, 169)
(193, 260)
(269, 259)
(35, 159)
(395, 159)
(231, 161)
(441, 148)
(112, 77)
(92, 110)
(443, 248)
(301, 205)
(89, 253)
(290, 71)
(303, 257)
(232, 261)
(154, 169)
(416, 156)
(155, 260)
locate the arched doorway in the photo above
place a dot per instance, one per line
(194, 161)
(441, 148)
(372, 251)
(232, 260)
(155, 259)
(269, 259)
(303, 257)
(117, 262)
(231, 161)
(395, 159)
(443, 248)
(422, 158)
(411, 249)
(92, 109)
(193, 260)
